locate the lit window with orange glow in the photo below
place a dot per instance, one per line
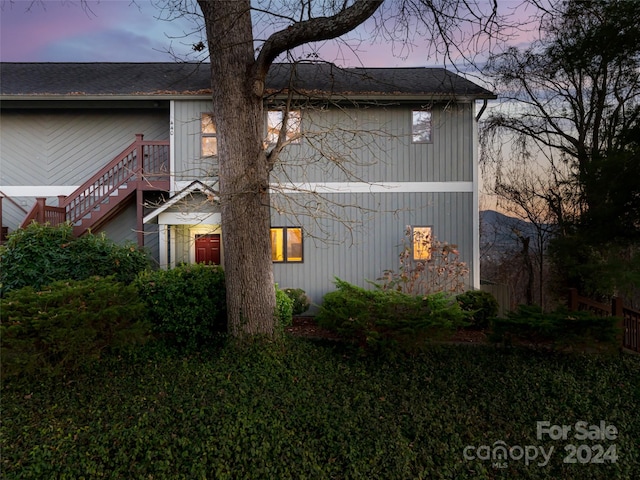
(421, 240)
(286, 244)
(208, 136)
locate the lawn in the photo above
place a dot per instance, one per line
(307, 409)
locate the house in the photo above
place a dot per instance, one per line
(129, 149)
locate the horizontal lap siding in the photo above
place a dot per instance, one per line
(361, 250)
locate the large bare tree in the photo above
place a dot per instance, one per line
(240, 62)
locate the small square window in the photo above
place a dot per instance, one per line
(208, 136)
(286, 244)
(421, 126)
(274, 125)
(421, 243)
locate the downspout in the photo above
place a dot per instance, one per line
(482, 109)
(475, 280)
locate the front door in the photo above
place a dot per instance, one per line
(208, 248)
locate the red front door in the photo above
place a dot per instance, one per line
(208, 248)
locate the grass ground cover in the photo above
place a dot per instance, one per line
(304, 409)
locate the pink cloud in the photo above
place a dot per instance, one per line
(24, 33)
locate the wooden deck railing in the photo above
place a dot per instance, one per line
(42, 213)
(141, 161)
(630, 318)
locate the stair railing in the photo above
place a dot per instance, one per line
(123, 168)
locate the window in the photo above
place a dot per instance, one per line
(286, 244)
(209, 140)
(421, 126)
(421, 243)
(274, 125)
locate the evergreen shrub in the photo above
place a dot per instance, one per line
(388, 319)
(284, 309)
(186, 305)
(561, 327)
(300, 299)
(482, 306)
(40, 254)
(60, 327)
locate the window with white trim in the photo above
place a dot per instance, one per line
(274, 125)
(208, 136)
(421, 126)
(286, 244)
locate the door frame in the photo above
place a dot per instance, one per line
(204, 230)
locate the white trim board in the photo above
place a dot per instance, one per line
(310, 187)
(37, 190)
(377, 187)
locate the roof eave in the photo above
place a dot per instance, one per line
(336, 97)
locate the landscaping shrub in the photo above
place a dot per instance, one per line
(560, 327)
(284, 309)
(386, 319)
(300, 299)
(60, 327)
(482, 305)
(442, 272)
(313, 411)
(187, 304)
(40, 254)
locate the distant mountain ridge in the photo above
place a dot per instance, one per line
(498, 233)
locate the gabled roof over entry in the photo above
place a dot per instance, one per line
(195, 186)
(172, 80)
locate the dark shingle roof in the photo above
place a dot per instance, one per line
(136, 79)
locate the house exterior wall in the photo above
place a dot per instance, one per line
(50, 152)
(371, 143)
(374, 144)
(359, 251)
(188, 162)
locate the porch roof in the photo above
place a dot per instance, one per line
(195, 186)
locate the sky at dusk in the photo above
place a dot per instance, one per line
(136, 31)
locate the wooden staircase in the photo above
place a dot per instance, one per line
(142, 166)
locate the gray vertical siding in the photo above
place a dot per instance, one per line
(122, 227)
(189, 164)
(374, 144)
(358, 253)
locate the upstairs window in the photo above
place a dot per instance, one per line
(274, 125)
(421, 243)
(286, 244)
(209, 139)
(421, 126)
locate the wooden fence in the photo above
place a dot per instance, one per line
(630, 318)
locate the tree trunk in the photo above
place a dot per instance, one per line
(528, 264)
(244, 172)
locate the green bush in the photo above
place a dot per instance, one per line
(186, 305)
(300, 299)
(482, 305)
(560, 327)
(387, 319)
(40, 254)
(307, 410)
(284, 309)
(59, 328)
